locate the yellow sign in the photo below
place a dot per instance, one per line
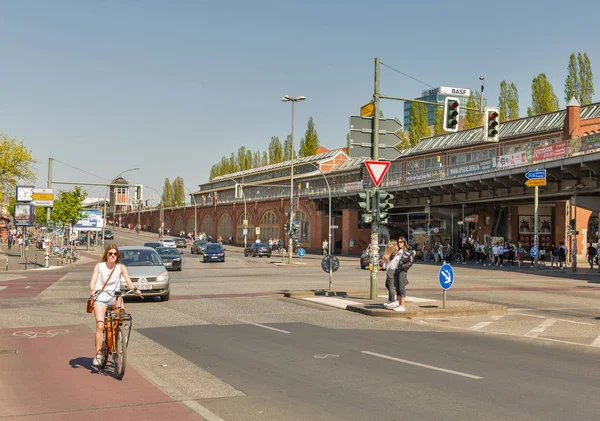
(367, 110)
(536, 183)
(42, 196)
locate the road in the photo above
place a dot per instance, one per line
(229, 346)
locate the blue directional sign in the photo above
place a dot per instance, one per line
(533, 251)
(446, 276)
(536, 175)
(301, 252)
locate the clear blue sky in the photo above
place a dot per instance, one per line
(172, 86)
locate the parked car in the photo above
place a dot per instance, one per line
(82, 241)
(180, 242)
(170, 257)
(257, 249)
(153, 244)
(108, 235)
(214, 252)
(168, 242)
(198, 246)
(146, 270)
(365, 258)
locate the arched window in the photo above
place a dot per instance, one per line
(225, 228)
(304, 234)
(240, 230)
(207, 225)
(269, 226)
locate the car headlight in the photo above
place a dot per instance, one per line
(164, 276)
(177, 260)
(220, 255)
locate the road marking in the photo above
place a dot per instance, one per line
(536, 331)
(560, 320)
(204, 412)
(480, 326)
(596, 342)
(332, 302)
(264, 326)
(28, 286)
(1, 288)
(430, 367)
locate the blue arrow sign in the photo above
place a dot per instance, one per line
(536, 175)
(533, 251)
(301, 252)
(446, 276)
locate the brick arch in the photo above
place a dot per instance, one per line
(225, 226)
(270, 208)
(178, 224)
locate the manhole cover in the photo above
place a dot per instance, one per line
(8, 351)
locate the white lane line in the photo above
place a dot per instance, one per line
(560, 320)
(332, 302)
(1, 288)
(430, 367)
(204, 412)
(536, 331)
(28, 286)
(264, 326)
(596, 342)
(480, 326)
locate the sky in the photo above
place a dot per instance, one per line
(170, 87)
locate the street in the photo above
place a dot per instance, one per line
(229, 346)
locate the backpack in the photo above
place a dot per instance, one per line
(554, 251)
(561, 251)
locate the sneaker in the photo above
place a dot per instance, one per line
(399, 308)
(393, 304)
(97, 360)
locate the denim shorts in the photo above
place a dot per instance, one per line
(104, 302)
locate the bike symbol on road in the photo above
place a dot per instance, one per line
(48, 334)
(446, 276)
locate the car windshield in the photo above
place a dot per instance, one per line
(168, 241)
(261, 245)
(167, 251)
(214, 247)
(154, 245)
(139, 257)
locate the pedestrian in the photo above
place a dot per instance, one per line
(390, 261)
(10, 240)
(512, 252)
(562, 254)
(405, 262)
(520, 254)
(325, 247)
(591, 255)
(553, 255)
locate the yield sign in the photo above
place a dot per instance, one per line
(377, 170)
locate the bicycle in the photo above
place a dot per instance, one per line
(117, 328)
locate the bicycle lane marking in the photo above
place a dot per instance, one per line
(47, 375)
(29, 285)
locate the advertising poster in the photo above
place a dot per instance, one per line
(550, 151)
(92, 221)
(517, 158)
(23, 215)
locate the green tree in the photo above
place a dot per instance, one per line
(242, 163)
(543, 98)
(265, 159)
(348, 142)
(179, 191)
(68, 208)
(508, 101)
(586, 79)
(167, 195)
(438, 121)
(256, 159)
(418, 123)
(572, 80)
(275, 150)
(16, 163)
(404, 143)
(41, 215)
(310, 142)
(287, 149)
(249, 159)
(473, 118)
(233, 167)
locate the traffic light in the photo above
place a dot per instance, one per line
(491, 121)
(366, 200)
(295, 229)
(138, 192)
(451, 114)
(384, 204)
(239, 194)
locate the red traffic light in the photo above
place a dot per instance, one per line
(493, 115)
(453, 105)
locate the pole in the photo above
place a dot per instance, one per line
(574, 249)
(162, 222)
(535, 227)
(375, 222)
(452, 231)
(49, 210)
(290, 240)
(329, 251)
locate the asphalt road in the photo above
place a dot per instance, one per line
(229, 345)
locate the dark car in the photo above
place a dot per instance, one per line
(180, 242)
(257, 249)
(214, 252)
(108, 235)
(170, 257)
(365, 258)
(153, 244)
(198, 246)
(82, 241)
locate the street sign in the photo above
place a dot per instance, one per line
(330, 260)
(367, 110)
(334, 227)
(361, 134)
(377, 170)
(533, 251)
(446, 276)
(301, 252)
(43, 203)
(245, 232)
(536, 175)
(536, 182)
(42, 197)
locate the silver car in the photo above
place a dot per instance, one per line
(146, 271)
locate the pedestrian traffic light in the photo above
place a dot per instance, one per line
(365, 203)
(451, 114)
(384, 204)
(491, 121)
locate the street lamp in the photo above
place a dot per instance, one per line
(117, 176)
(287, 98)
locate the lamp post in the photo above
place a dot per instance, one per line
(104, 223)
(245, 209)
(287, 98)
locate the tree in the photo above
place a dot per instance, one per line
(275, 150)
(265, 159)
(249, 159)
(16, 164)
(473, 118)
(179, 191)
(572, 80)
(508, 101)
(543, 98)
(256, 159)
(233, 167)
(404, 143)
(287, 148)
(310, 142)
(438, 121)
(348, 142)
(586, 79)
(418, 123)
(167, 195)
(241, 159)
(68, 208)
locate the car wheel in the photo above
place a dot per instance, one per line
(166, 296)
(204, 260)
(223, 260)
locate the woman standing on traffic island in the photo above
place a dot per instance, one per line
(405, 262)
(107, 277)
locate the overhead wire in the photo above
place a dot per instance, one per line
(79, 169)
(407, 75)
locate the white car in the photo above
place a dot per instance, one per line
(167, 242)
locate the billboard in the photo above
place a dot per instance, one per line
(92, 221)
(23, 215)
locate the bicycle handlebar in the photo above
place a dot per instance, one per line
(119, 294)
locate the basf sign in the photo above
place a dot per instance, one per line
(445, 90)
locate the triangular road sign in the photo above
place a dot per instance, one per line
(377, 170)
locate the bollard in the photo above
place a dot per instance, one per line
(25, 261)
(35, 262)
(7, 262)
(57, 261)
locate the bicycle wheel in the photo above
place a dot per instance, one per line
(120, 355)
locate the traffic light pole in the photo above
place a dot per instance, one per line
(375, 192)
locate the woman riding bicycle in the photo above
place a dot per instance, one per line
(107, 274)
